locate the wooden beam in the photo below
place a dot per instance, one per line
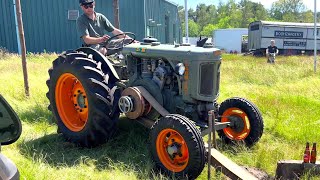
(23, 47)
(229, 168)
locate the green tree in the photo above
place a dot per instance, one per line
(205, 15)
(308, 16)
(260, 13)
(181, 13)
(193, 28)
(251, 11)
(288, 10)
(208, 30)
(229, 15)
(245, 7)
(224, 23)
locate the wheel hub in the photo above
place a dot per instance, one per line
(237, 123)
(133, 104)
(125, 104)
(172, 150)
(79, 100)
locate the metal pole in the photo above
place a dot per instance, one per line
(186, 20)
(23, 47)
(17, 27)
(214, 130)
(209, 144)
(315, 36)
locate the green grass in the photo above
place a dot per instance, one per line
(286, 93)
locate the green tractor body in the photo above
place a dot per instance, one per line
(192, 93)
(173, 87)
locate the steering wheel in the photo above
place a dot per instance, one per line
(115, 45)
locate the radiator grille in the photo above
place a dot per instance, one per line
(206, 79)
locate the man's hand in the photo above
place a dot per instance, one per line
(95, 40)
(104, 38)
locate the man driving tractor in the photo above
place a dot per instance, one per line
(91, 26)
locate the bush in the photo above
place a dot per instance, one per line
(3, 53)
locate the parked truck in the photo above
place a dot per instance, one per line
(290, 38)
(231, 40)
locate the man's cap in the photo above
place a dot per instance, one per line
(83, 2)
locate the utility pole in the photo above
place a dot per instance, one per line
(186, 20)
(23, 47)
(315, 36)
(116, 13)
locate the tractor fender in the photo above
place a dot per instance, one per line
(106, 64)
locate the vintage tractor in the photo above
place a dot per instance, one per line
(170, 88)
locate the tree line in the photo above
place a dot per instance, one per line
(206, 18)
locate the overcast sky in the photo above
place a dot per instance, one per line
(266, 3)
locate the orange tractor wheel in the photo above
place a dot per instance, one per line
(177, 147)
(246, 121)
(80, 101)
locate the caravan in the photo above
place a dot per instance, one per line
(290, 38)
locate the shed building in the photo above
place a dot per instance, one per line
(51, 25)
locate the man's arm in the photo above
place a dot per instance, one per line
(95, 40)
(267, 51)
(118, 31)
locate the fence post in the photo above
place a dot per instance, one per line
(23, 47)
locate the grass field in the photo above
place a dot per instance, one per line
(286, 93)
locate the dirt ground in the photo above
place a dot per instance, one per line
(259, 173)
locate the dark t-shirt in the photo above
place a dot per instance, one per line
(272, 49)
(93, 28)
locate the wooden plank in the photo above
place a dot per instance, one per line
(228, 167)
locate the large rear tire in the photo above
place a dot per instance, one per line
(246, 121)
(83, 104)
(177, 147)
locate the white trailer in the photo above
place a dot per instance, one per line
(290, 38)
(230, 40)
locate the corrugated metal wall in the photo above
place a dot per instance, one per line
(163, 21)
(175, 33)
(132, 17)
(8, 35)
(47, 28)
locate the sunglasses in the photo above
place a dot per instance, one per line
(86, 6)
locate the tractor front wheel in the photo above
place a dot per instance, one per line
(246, 123)
(177, 147)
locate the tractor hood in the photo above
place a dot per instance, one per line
(173, 52)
